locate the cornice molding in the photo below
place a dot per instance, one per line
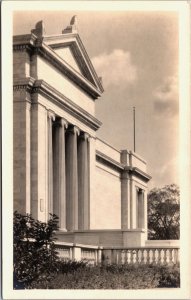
(138, 173)
(44, 89)
(108, 161)
(68, 71)
(79, 58)
(32, 43)
(124, 170)
(89, 62)
(80, 54)
(23, 84)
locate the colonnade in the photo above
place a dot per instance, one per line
(68, 174)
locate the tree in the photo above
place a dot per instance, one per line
(34, 255)
(164, 213)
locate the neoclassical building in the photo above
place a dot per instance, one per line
(60, 166)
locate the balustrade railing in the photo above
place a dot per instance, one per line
(159, 255)
(95, 255)
(64, 252)
(70, 251)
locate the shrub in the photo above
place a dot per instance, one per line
(104, 278)
(71, 266)
(169, 276)
(35, 258)
(116, 277)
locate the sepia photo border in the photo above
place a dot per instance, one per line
(183, 9)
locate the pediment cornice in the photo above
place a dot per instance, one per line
(74, 41)
(88, 80)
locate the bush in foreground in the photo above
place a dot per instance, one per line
(34, 256)
(113, 277)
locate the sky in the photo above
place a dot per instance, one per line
(136, 54)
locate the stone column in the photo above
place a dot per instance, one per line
(140, 208)
(83, 182)
(132, 200)
(125, 191)
(51, 118)
(59, 186)
(92, 178)
(125, 200)
(72, 179)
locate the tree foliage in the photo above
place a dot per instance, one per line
(35, 258)
(164, 213)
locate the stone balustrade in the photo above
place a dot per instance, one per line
(152, 255)
(78, 252)
(95, 255)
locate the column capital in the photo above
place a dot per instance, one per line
(85, 136)
(63, 123)
(51, 115)
(125, 174)
(139, 190)
(74, 129)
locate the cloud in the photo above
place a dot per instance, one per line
(166, 97)
(116, 68)
(166, 173)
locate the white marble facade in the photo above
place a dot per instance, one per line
(60, 166)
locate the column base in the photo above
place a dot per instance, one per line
(134, 238)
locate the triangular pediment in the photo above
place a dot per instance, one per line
(67, 54)
(70, 48)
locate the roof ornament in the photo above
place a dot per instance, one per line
(73, 27)
(39, 30)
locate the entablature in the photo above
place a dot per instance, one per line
(134, 171)
(43, 88)
(125, 170)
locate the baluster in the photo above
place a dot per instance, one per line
(117, 257)
(120, 257)
(131, 253)
(162, 256)
(134, 256)
(153, 258)
(170, 256)
(156, 255)
(148, 256)
(159, 256)
(138, 256)
(142, 256)
(165, 256)
(128, 256)
(125, 256)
